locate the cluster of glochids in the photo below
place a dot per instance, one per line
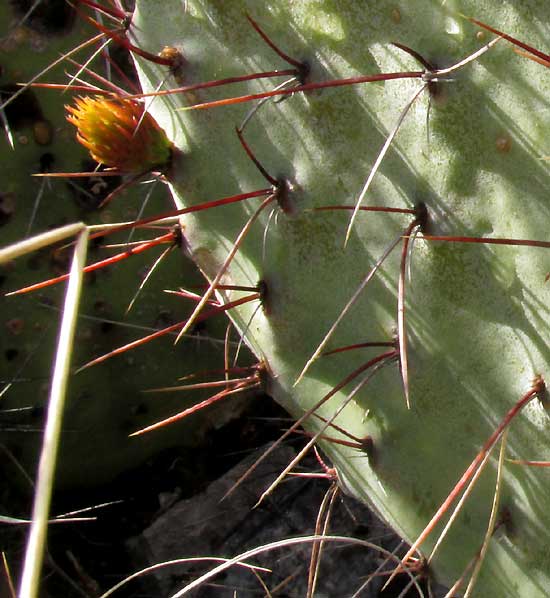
(121, 134)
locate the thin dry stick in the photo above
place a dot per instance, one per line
(84, 67)
(147, 276)
(46, 469)
(488, 241)
(378, 572)
(9, 578)
(305, 87)
(426, 78)
(242, 387)
(7, 128)
(323, 519)
(39, 241)
(49, 67)
(401, 329)
(536, 390)
(492, 518)
(324, 427)
(226, 382)
(182, 561)
(309, 413)
(452, 593)
(276, 546)
(460, 503)
(381, 156)
(529, 49)
(347, 307)
(530, 463)
(435, 75)
(208, 293)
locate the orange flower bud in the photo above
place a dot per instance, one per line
(120, 134)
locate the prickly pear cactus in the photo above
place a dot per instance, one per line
(108, 403)
(476, 327)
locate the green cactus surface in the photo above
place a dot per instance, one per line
(106, 403)
(470, 149)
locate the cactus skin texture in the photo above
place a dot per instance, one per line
(477, 315)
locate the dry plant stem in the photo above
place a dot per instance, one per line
(285, 544)
(183, 561)
(216, 83)
(305, 87)
(127, 45)
(492, 518)
(39, 241)
(49, 67)
(380, 361)
(172, 213)
(381, 156)
(347, 307)
(545, 63)
(401, 329)
(487, 241)
(459, 505)
(452, 593)
(199, 385)
(168, 238)
(248, 385)
(208, 293)
(544, 57)
(530, 463)
(173, 328)
(295, 63)
(359, 346)
(46, 469)
(536, 390)
(7, 573)
(373, 362)
(321, 529)
(153, 267)
(117, 15)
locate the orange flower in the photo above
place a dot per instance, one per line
(120, 134)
